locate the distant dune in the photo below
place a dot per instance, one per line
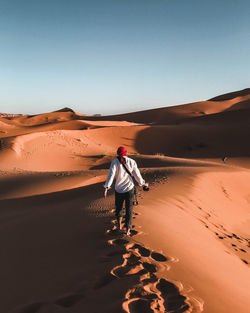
(9, 115)
(182, 113)
(65, 110)
(231, 95)
(190, 245)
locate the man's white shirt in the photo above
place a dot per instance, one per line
(124, 181)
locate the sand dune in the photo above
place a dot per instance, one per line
(182, 113)
(231, 95)
(190, 245)
(202, 216)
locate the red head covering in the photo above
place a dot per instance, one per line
(121, 151)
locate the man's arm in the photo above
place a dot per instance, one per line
(137, 175)
(111, 176)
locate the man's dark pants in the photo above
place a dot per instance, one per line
(128, 197)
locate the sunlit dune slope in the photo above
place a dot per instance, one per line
(201, 217)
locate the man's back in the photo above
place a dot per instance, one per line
(124, 181)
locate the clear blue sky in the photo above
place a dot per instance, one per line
(111, 56)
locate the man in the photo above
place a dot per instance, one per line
(123, 169)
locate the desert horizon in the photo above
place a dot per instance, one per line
(190, 242)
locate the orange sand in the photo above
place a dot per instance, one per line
(189, 249)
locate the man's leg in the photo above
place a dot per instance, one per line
(118, 209)
(129, 210)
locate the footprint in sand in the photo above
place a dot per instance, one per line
(243, 250)
(131, 266)
(134, 232)
(140, 249)
(158, 257)
(138, 305)
(137, 213)
(173, 300)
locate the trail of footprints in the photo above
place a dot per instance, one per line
(238, 243)
(151, 294)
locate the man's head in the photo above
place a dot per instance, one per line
(121, 151)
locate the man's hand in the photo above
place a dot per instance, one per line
(105, 192)
(145, 187)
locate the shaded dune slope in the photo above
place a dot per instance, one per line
(231, 95)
